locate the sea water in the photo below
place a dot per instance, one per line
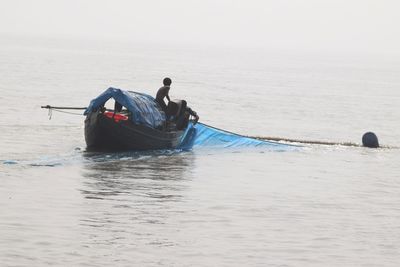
(315, 206)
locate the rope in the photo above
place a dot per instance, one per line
(67, 112)
(61, 111)
(312, 142)
(219, 129)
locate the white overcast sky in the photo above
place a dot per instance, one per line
(310, 24)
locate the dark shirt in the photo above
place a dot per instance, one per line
(161, 94)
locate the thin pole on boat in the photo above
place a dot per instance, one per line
(53, 107)
(59, 109)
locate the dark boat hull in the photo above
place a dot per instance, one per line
(105, 134)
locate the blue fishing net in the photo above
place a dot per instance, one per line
(201, 135)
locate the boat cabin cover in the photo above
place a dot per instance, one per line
(143, 108)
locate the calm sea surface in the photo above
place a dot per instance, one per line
(317, 206)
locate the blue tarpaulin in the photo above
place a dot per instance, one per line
(143, 107)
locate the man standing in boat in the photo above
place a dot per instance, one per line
(163, 93)
(183, 117)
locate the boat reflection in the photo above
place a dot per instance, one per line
(149, 173)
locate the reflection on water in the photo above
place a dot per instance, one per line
(128, 196)
(130, 173)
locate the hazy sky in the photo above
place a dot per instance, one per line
(311, 24)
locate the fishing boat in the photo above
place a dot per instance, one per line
(136, 122)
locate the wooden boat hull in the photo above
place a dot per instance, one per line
(105, 134)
